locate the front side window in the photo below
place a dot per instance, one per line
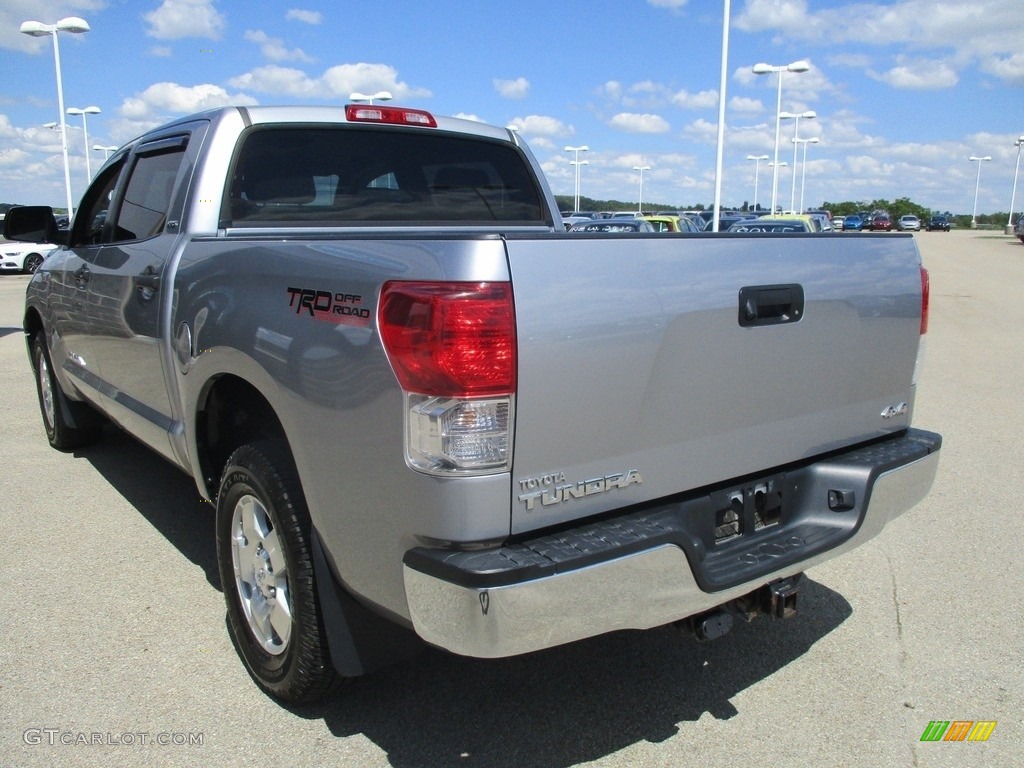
(91, 217)
(341, 175)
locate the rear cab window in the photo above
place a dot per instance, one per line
(344, 175)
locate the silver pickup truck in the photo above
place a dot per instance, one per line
(427, 414)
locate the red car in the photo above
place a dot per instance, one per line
(880, 222)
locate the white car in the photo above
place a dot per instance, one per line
(908, 223)
(23, 257)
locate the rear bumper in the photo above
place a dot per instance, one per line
(661, 563)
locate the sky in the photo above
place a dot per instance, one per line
(904, 91)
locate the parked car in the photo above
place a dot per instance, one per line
(837, 222)
(765, 225)
(614, 224)
(853, 223)
(671, 223)
(908, 223)
(880, 222)
(938, 222)
(724, 222)
(815, 222)
(23, 257)
(1019, 229)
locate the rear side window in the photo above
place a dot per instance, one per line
(147, 197)
(353, 176)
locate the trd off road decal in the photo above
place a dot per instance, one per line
(340, 308)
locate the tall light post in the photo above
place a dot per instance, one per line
(775, 175)
(369, 98)
(977, 186)
(105, 150)
(640, 203)
(757, 168)
(795, 117)
(74, 25)
(1013, 195)
(765, 69)
(720, 151)
(577, 162)
(803, 166)
(85, 131)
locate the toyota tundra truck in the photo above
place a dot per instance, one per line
(427, 415)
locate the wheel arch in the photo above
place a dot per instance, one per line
(231, 412)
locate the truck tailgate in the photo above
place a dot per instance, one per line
(645, 371)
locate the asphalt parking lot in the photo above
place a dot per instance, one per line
(114, 650)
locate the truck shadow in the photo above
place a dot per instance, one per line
(573, 704)
(164, 496)
(564, 706)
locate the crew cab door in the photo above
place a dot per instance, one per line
(124, 284)
(73, 318)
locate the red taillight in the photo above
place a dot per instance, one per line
(450, 339)
(926, 290)
(371, 113)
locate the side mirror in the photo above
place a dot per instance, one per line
(33, 224)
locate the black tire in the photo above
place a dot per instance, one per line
(260, 498)
(68, 424)
(31, 263)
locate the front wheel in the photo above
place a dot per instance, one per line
(68, 424)
(266, 569)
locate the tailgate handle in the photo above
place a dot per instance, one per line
(771, 304)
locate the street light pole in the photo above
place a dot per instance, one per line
(361, 97)
(577, 162)
(808, 115)
(977, 186)
(105, 150)
(720, 150)
(640, 204)
(1013, 195)
(764, 69)
(757, 168)
(803, 167)
(38, 29)
(85, 132)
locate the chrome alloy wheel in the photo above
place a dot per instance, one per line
(261, 575)
(46, 392)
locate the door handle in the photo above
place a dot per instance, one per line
(81, 275)
(148, 280)
(771, 304)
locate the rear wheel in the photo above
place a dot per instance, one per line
(68, 424)
(266, 567)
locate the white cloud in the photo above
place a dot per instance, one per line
(335, 83)
(921, 75)
(306, 17)
(13, 158)
(702, 100)
(983, 31)
(1008, 68)
(675, 5)
(162, 100)
(639, 123)
(743, 104)
(512, 89)
(273, 47)
(469, 116)
(541, 125)
(175, 19)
